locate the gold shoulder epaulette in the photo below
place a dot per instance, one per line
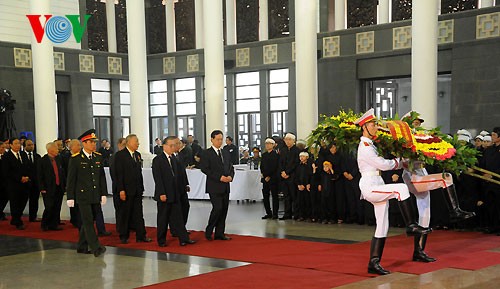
(74, 155)
(98, 153)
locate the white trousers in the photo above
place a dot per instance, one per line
(376, 192)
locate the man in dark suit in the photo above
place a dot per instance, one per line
(269, 167)
(130, 186)
(34, 158)
(112, 172)
(18, 181)
(86, 187)
(185, 154)
(51, 182)
(158, 149)
(74, 148)
(4, 197)
(232, 150)
(289, 157)
(168, 189)
(216, 164)
(182, 158)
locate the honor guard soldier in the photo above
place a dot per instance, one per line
(375, 191)
(86, 187)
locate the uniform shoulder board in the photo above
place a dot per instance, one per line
(366, 144)
(98, 153)
(74, 155)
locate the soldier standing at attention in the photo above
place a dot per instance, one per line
(86, 187)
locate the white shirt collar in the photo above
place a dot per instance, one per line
(216, 149)
(365, 139)
(167, 154)
(87, 154)
(129, 151)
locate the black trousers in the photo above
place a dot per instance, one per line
(88, 237)
(50, 217)
(303, 204)
(170, 214)
(217, 219)
(326, 197)
(130, 215)
(34, 196)
(184, 201)
(290, 197)
(18, 200)
(339, 203)
(270, 189)
(315, 200)
(352, 194)
(59, 202)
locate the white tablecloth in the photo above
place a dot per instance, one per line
(246, 184)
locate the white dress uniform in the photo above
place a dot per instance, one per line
(373, 188)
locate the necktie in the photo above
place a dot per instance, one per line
(56, 171)
(171, 163)
(19, 157)
(220, 155)
(30, 157)
(90, 157)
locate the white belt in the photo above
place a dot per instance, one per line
(370, 174)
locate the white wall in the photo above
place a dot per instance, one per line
(15, 26)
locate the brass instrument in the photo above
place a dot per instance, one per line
(471, 172)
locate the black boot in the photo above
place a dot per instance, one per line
(418, 252)
(376, 250)
(456, 214)
(412, 228)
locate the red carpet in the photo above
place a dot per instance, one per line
(331, 264)
(261, 276)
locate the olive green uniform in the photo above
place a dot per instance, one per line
(86, 184)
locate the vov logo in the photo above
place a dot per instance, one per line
(58, 28)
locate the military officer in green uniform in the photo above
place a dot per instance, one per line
(86, 187)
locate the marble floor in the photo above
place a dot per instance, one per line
(34, 263)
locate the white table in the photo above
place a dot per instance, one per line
(246, 184)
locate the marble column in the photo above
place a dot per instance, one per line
(231, 22)
(383, 11)
(263, 20)
(486, 3)
(340, 15)
(214, 68)
(111, 25)
(306, 63)
(44, 82)
(138, 76)
(170, 23)
(424, 52)
(198, 14)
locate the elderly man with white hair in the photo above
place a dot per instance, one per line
(51, 181)
(289, 157)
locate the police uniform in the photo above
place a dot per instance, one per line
(86, 185)
(374, 190)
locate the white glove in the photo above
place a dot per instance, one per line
(103, 200)
(70, 203)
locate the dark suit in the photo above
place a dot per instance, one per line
(185, 156)
(184, 198)
(86, 184)
(65, 156)
(157, 149)
(127, 173)
(4, 197)
(34, 194)
(167, 182)
(53, 191)
(269, 167)
(13, 171)
(289, 158)
(212, 166)
(233, 152)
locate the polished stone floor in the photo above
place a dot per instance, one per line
(34, 263)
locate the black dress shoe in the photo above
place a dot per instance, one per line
(266, 217)
(162, 245)
(208, 237)
(99, 251)
(144, 240)
(104, 234)
(285, 218)
(56, 229)
(188, 242)
(223, 238)
(83, 251)
(124, 241)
